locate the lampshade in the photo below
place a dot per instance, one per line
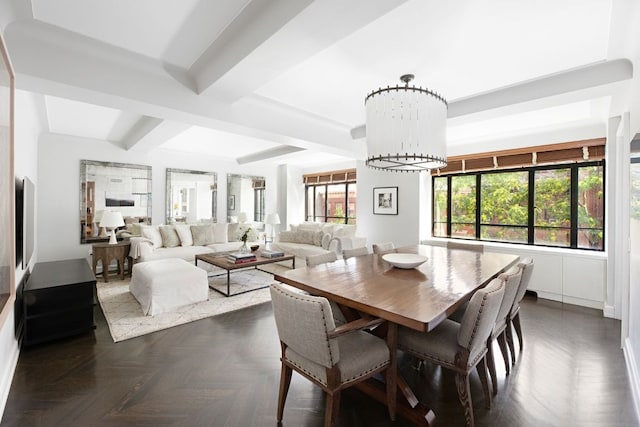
(242, 217)
(406, 128)
(272, 219)
(112, 220)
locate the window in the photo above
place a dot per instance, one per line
(331, 198)
(556, 205)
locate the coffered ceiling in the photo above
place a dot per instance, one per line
(284, 81)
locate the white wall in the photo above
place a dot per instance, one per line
(59, 191)
(28, 126)
(402, 229)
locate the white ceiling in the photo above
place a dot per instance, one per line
(239, 79)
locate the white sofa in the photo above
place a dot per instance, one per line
(314, 238)
(185, 241)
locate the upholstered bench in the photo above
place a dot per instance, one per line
(162, 285)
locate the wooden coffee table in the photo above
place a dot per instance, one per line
(221, 261)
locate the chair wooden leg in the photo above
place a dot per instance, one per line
(481, 367)
(492, 367)
(502, 342)
(464, 394)
(510, 342)
(516, 325)
(285, 381)
(332, 409)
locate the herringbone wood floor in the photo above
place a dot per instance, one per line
(224, 371)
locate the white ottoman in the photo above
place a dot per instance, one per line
(162, 285)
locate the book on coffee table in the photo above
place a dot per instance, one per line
(272, 254)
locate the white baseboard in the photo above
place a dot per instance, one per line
(634, 375)
(7, 376)
(609, 311)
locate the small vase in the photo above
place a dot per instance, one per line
(244, 249)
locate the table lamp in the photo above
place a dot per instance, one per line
(112, 220)
(272, 219)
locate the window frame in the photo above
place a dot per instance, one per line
(574, 205)
(325, 217)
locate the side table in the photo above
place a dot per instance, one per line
(106, 252)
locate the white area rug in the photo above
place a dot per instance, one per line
(126, 320)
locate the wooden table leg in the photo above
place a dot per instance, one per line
(105, 268)
(419, 415)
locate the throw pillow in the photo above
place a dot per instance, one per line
(317, 238)
(170, 238)
(184, 234)
(202, 235)
(221, 232)
(347, 230)
(287, 236)
(326, 239)
(304, 236)
(153, 234)
(134, 229)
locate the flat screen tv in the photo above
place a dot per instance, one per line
(29, 230)
(19, 222)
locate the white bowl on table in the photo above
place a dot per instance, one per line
(405, 261)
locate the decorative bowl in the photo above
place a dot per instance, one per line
(405, 261)
(254, 248)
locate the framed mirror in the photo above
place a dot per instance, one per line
(191, 196)
(107, 186)
(245, 198)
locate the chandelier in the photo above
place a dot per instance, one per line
(406, 128)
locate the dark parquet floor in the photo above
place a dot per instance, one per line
(224, 371)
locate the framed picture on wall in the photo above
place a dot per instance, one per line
(385, 201)
(232, 203)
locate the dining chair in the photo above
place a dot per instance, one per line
(511, 282)
(332, 357)
(313, 260)
(348, 253)
(383, 248)
(514, 315)
(460, 347)
(468, 245)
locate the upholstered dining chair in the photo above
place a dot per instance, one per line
(383, 248)
(470, 246)
(499, 332)
(313, 260)
(333, 358)
(348, 253)
(514, 315)
(460, 346)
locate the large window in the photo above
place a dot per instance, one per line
(333, 200)
(559, 205)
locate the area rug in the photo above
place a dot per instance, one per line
(126, 320)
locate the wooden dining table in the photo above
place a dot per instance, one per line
(418, 298)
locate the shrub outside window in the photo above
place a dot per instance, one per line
(557, 205)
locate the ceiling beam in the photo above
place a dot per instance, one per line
(269, 154)
(151, 132)
(258, 21)
(315, 28)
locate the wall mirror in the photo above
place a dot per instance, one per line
(107, 186)
(191, 196)
(245, 198)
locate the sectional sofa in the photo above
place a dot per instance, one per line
(185, 241)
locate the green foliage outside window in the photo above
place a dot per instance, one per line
(505, 206)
